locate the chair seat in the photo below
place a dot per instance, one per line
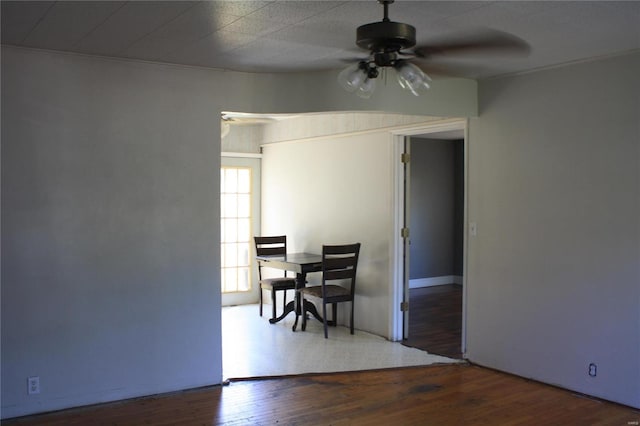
(331, 291)
(278, 283)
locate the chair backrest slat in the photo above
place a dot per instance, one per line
(339, 262)
(271, 246)
(341, 274)
(279, 239)
(270, 251)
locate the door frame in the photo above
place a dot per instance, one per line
(399, 279)
(254, 162)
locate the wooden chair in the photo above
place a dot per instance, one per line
(273, 246)
(339, 265)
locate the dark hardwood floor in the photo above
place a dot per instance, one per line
(435, 320)
(454, 394)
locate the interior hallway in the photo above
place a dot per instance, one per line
(435, 320)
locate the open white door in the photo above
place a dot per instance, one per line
(406, 233)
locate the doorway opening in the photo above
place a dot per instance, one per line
(239, 221)
(436, 226)
(239, 349)
(430, 259)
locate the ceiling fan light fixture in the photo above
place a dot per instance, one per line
(385, 40)
(353, 77)
(367, 88)
(411, 77)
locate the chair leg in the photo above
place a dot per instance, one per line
(324, 319)
(260, 300)
(334, 308)
(273, 303)
(351, 321)
(284, 296)
(304, 314)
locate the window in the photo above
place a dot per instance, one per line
(235, 203)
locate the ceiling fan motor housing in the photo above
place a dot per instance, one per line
(386, 36)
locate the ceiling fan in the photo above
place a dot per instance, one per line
(238, 118)
(393, 45)
(229, 118)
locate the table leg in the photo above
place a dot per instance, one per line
(301, 281)
(290, 307)
(310, 307)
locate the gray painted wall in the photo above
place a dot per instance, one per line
(110, 240)
(437, 208)
(554, 272)
(110, 217)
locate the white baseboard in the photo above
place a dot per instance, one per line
(433, 281)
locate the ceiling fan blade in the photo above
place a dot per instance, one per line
(447, 70)
(485, 42)
(353, 60)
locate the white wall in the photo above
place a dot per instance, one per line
(306, 126)
(110, 217)
(247, 137)
(554, 272)
(333, 191)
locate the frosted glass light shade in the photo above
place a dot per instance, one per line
(352, 78)
(412, 78)
(366, 88)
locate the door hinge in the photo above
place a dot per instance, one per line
(405, 157)
(404, 232)
(404, 306)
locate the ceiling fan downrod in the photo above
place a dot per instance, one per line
(385, 36)
(385, 4)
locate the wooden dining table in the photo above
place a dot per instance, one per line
(301, 264)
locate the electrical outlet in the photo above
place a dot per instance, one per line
(33, 385)
(593, 370)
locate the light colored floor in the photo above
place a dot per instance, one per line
(251, 347)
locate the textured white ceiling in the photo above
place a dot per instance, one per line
(289, 36)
